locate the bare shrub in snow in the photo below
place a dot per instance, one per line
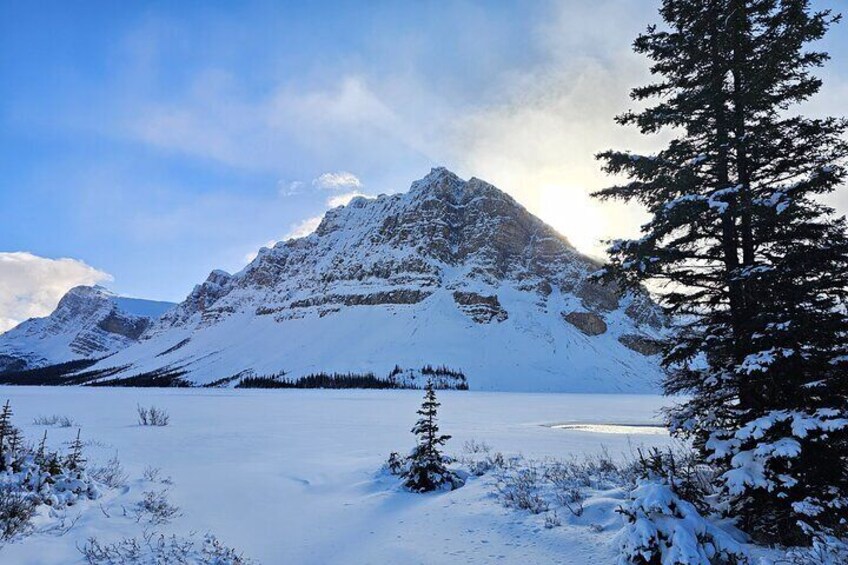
(154, 475)
(152, 416)
(54, 420)
(155, 508)
(156, 549)
(552, 520)
(17, 508)
(537, 486)
(151, 474)
(597, 471)
(473, 447)
(571, 498)
(568, 481)
(479, 459)
(521, 488)
(111, 474)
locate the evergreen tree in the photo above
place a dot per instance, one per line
(745, 257)
(75, 460)
(41, 454)
(7, 431)
(426, 465)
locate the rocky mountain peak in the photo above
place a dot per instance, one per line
(89, 322)
(444, 185)
(445, 232)
(95, 293)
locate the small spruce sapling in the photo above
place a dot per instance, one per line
(427, 467)
(75, 460)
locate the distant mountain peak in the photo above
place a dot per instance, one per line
(89, 322)
(89, 291)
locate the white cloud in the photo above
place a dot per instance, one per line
(291, 188)
(539, 139)
(532, 131)
(340, 180)
(31, 286)
(344, 199)
(304, 228)
(529, 123)
(345, 119)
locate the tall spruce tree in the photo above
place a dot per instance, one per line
(426, 465)
(745, 256)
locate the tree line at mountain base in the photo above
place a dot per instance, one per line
(441, 378)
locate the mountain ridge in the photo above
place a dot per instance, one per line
(414, 278)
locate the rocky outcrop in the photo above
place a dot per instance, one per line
(131, 327)
(641, 344)
(405, 296)
(587, 322)
(199, 305)
(597, 296)
(481, 309)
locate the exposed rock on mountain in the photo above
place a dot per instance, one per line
(641, 344)
(587, 322)
(89, 323)
(481, 309)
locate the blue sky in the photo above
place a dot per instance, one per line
(156, 141)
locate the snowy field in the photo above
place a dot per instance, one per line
(293, 476)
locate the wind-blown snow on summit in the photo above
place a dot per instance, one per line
(90, 322)
(451, 273)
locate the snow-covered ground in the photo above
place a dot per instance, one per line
(293, 476)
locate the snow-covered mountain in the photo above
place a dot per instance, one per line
(452, 273)
(90, 322)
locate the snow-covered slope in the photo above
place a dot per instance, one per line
(89, 322)
(452, 273)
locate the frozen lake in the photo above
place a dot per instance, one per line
(291, 476)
